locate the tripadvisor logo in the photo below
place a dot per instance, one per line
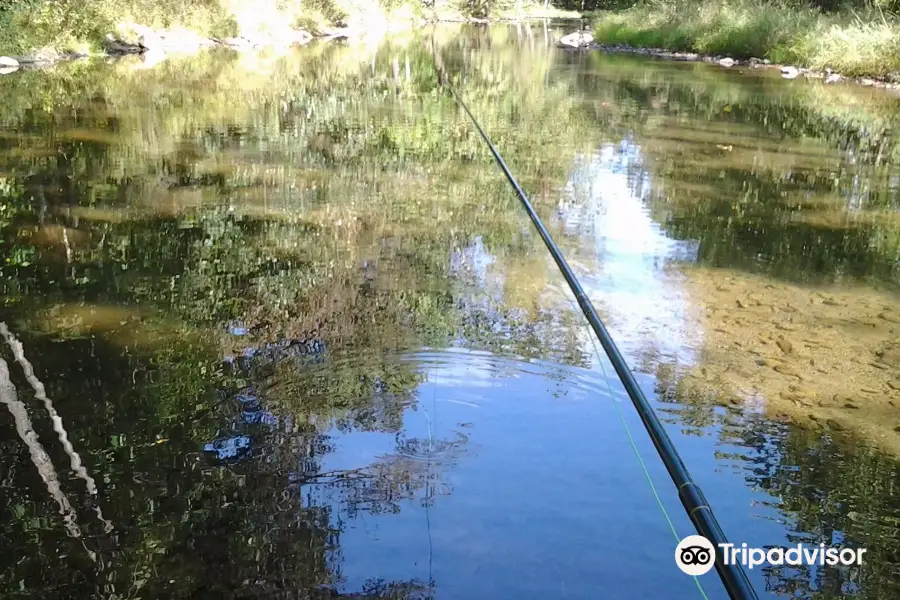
(696, 555)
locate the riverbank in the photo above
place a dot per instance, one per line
(852, 45)
(829, 76)
(101, 29)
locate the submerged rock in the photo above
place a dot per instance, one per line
(834, 425)
(785, 345)
(890, 355)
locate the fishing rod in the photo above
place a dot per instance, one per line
(733, 577)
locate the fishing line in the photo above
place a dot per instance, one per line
(428, 477)
(634, 447)
(733, 577)
(428, 482)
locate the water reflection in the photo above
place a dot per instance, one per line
(304, 342)
(647, 308)
(510, 473)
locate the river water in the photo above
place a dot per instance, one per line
(277, 327)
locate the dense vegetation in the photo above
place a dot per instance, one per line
(27, 26)
(857, 39)
(854, 38)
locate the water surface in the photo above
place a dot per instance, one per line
(292, 336)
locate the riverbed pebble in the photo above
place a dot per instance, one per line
(788, 370)
(786, 346)
(797, 398)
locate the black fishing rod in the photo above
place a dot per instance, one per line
(732, 575)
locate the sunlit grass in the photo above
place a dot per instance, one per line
(33, 26)
(851, 44)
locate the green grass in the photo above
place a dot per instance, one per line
(29, 26)
(851, 43)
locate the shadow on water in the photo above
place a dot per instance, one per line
(291, 336)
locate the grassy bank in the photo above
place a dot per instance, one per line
(853, 43)
(34, 27)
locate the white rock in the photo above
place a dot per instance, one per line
(789, 72)
(579, 39)
(7, 62)
(151, 40)
(727, 62)
(833, 78)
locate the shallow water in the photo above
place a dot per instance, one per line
(298, 336)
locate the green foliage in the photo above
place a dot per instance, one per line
(31, 26)
(851, 43)
(64, 25)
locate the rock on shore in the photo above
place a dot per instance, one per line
(578, 40)
(8, 65)
(131, 38)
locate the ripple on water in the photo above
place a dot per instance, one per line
(520, 462)
(460, 367)
(426, 398)
(429, 448)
